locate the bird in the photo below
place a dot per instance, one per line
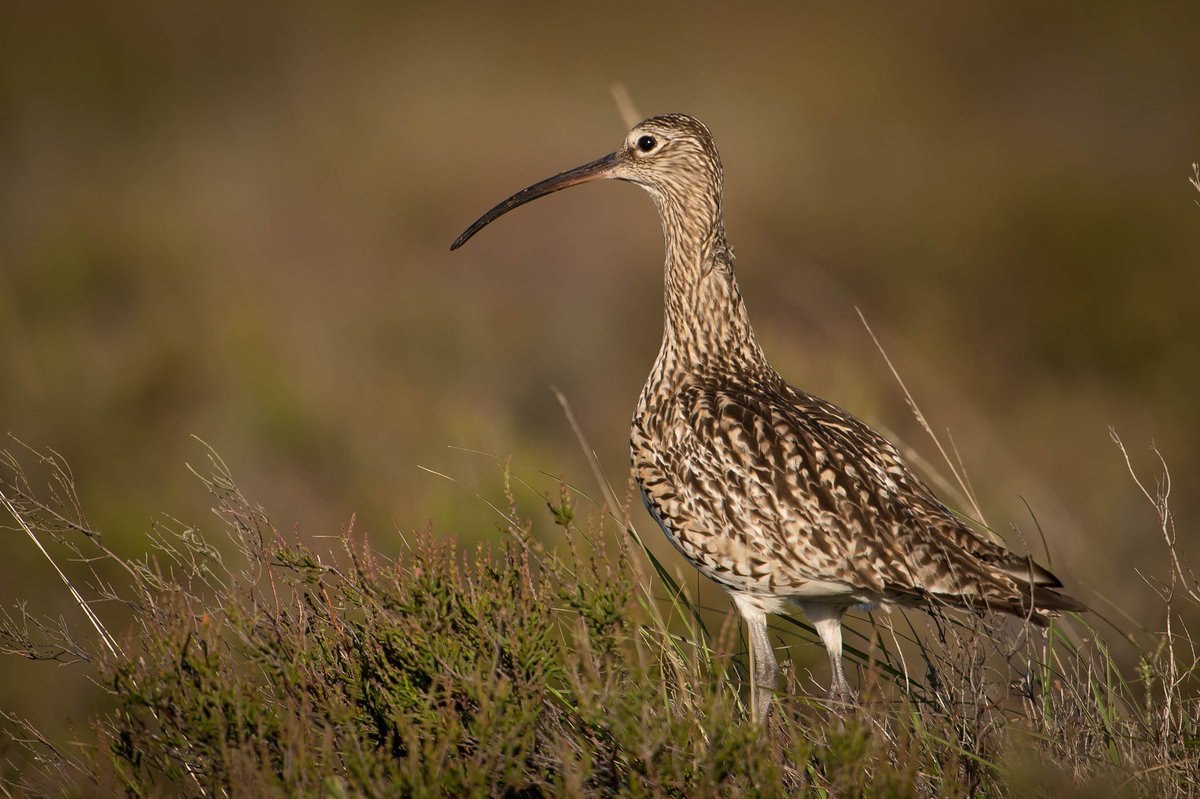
(780, 497)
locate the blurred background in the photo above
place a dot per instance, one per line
(232, 221)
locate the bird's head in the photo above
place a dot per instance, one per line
(673, 157)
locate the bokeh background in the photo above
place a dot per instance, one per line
(231, 221)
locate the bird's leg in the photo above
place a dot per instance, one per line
(827, 619)
(763, 668)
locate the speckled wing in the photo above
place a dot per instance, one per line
(774, 491)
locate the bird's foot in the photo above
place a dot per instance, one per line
(840, 692)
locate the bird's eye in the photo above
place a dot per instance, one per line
(647, 143)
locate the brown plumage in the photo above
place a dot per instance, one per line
(778, 496)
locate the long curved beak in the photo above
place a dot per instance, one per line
(596, 170)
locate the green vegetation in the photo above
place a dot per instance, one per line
(519, 670)
(233, 219)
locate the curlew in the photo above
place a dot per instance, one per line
(778, 496)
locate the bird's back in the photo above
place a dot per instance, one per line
(771, 491)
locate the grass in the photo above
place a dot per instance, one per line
(518, 669)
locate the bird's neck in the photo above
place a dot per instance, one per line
(706, 325)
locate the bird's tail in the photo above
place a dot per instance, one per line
(1039, 599)
(1048, 603)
